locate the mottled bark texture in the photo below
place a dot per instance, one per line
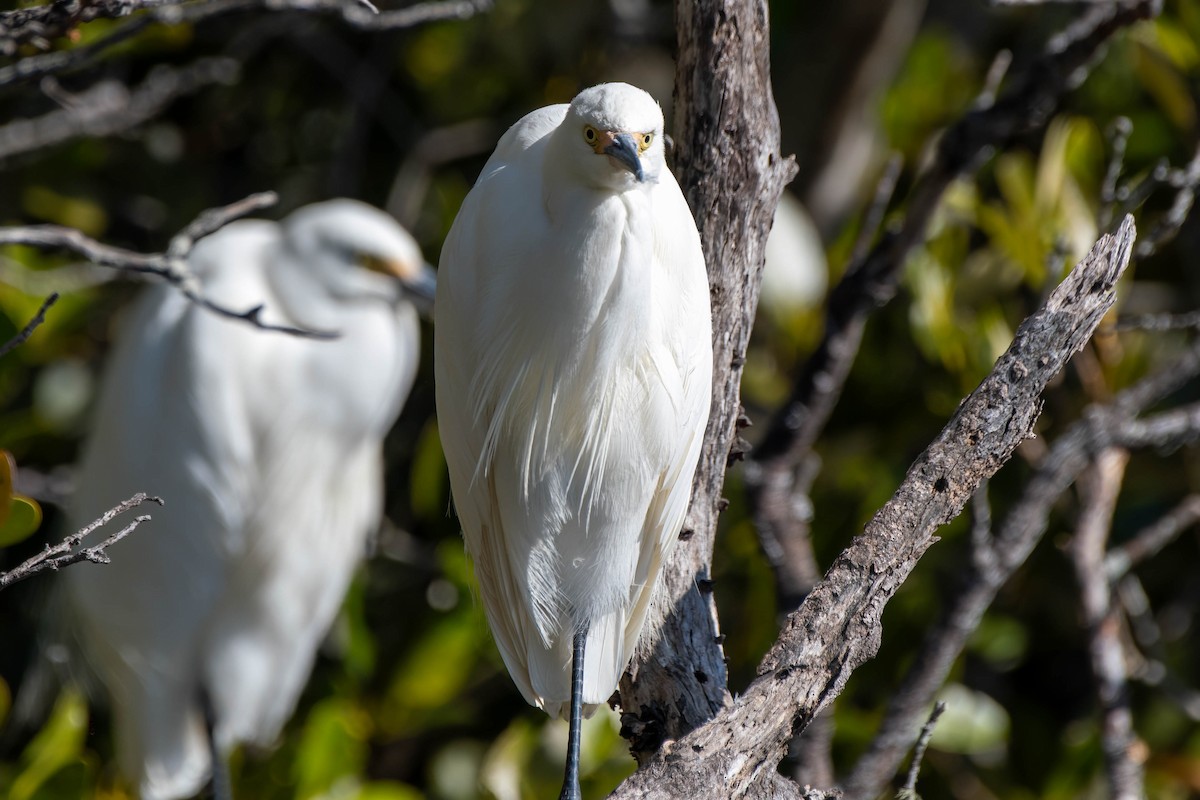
(728, 162)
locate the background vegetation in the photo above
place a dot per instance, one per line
(410, 698)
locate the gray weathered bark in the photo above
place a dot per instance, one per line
(838, 626)
(727, 157)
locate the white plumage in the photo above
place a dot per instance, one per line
(266, 449)
(573, 360)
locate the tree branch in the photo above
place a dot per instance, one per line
(40, 23)
(914, 770)
(24, 334)
(994, 560)
(838, 626)
(109, 107)
(776, 492)
(1098, 495)
(728, 162)
(64, 554)
(170, 266)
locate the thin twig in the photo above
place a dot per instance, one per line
(15, 26)
(24, 334)
(1158, 323)
(910, 783)
(995, 76)
(109, 107)
(170, 266)
(1098, 496)
(1185, 181)
(1118, 137)
(884, 190)
(63, 554)
(1151, 539)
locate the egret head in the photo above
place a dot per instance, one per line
(617, 133)
(356, 251)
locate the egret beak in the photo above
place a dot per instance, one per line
(625, 150)
(421, 287)
(417, 282)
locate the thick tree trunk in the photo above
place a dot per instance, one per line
(728, 164)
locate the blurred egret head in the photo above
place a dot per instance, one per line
(354, 251)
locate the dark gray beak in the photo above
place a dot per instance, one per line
(420, 291)
(625, 150)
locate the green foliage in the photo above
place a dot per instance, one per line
(409, 699)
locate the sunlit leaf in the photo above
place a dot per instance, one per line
(24, 517)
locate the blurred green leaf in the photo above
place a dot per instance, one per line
(332, 745)
(434, 673)
(972, 723)
(388, 790)
(56, 746)
(19, 516)
(24, 517)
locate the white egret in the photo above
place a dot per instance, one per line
(267, 451)
(573, 365)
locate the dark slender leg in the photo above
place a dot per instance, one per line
(570, 788)
(221, 787)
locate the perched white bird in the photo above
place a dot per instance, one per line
(266, 449)
(573, 365)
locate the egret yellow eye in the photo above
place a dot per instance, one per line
(589, 133)
(647, 138)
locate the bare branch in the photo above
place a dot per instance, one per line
(57, 18)
(1118, 137)
(838, 626)
(63, 554)
(170, 266)
(910, 783)
(775, 491)
(1185, 181)
(1159, 322)
(1152, 538)
(1099, 499)
(24, 334)
(993, 560)
(109, 107)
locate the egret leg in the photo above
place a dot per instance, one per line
(221, 785)
(570, 788)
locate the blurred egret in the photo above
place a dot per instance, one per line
(573, 359)
(267, 451)
(796, 273)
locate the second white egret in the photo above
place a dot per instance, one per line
(573, 361)
(267, 451)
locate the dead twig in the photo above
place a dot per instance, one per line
(63, 554)
(1098, 495)
(40, 23)
(110, 107)
(910, 782)
(1152, 538)
(170, 266)
(24, 334)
